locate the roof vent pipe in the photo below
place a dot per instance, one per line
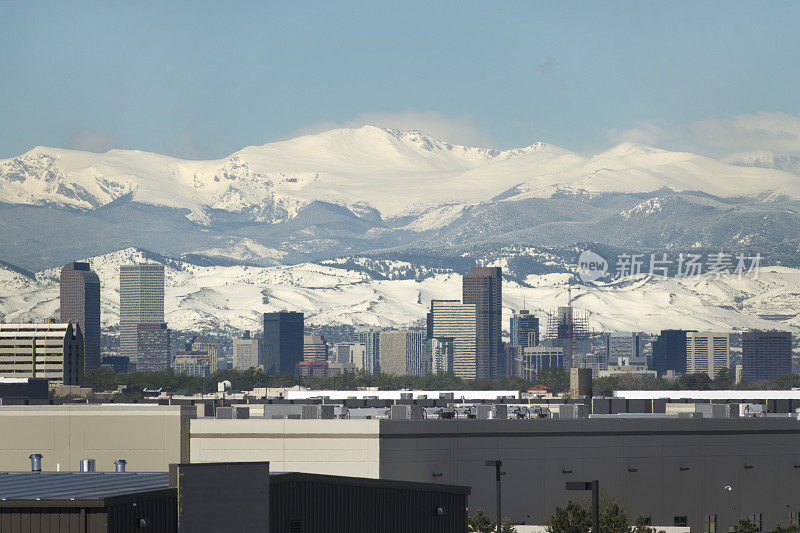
(120, 465)
(87, 465)
(36, 462)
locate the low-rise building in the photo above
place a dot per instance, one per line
(50, 351)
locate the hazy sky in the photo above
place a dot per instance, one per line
(200, 79)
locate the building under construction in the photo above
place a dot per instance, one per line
(568, 328)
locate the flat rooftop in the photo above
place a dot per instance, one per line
(78, 485)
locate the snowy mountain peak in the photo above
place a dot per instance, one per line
(363, 169)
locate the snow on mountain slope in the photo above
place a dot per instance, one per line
(765, 159)
(635, 168)
(270, 182)
(395, 172)
(233, 297)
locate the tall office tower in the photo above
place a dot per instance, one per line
(625, 348)
(483, 288)
(766, 355)
(153, 350)
(283, 341)
(371, 339)
(402, 352)
(80, 303)
(246, 352)
(315, 348)
(141, 302)
(458, 321)
(52, 351)
(707, 352)
(524, 329)
(669, 352)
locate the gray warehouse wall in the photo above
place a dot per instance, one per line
(659, 468)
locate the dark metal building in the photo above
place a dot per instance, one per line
(303, 503)
(23, 389)
(87, 502)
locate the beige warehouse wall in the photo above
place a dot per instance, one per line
(149, 437)
(337, 447)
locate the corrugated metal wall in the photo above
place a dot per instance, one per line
(309, 507)
(160, 513)
(52, 520)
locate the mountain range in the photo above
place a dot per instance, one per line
(228, 299)
(365, 226)
(376, 191)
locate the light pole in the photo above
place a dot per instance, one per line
(593, 486)
(498, 474)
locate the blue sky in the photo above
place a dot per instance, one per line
(200, 79)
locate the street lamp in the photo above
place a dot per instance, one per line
(497, 473)
(593, 486)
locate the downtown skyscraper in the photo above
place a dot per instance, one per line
(80, 303)
(282, 341)
(483, 288)
(143, 335)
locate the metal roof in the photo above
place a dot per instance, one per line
(77, 485)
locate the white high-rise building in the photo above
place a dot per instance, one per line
(246, 352)
(354, 353)
(458, 321)
(402, 353)
(141, 301)
(707, 352)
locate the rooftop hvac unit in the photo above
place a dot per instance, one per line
(406, 395)
(568, 410)
(400, 412)
(242, 412)
(327, 411)
(225, 413)
(501, 411)
(310, 412)
(485, 412)
(446, 395)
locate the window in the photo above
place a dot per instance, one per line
(681, 521)
(711, 524)
(295, 525)
(794, 518)
(756, 517)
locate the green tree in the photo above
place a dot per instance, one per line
(613, 518)
(699, 381)
(572, 518)
(481, 523)
(724, 379)
(507, 526)
(642, 527)
(554, 377)
(791, 528)
(745, 525)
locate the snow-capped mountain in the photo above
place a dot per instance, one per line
(347, 192)
(226, 298)
(393, 172)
